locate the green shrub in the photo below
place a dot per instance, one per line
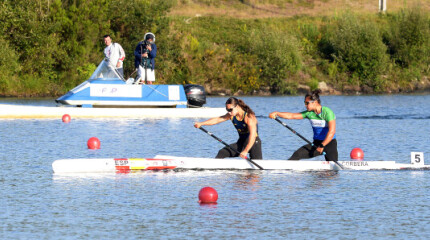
(278, 56)
(356, 47)
(408, 37)
(9, 67)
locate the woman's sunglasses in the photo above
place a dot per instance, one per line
(229, 109)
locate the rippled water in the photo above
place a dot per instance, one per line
(36, 204)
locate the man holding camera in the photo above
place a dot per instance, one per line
(144, 62)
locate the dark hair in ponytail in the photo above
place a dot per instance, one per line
(241, 103)
(314, 95)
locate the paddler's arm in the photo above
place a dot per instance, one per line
(286, 115)
(329, 136)
(213, 121)
(251, 121)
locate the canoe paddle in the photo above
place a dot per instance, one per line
(306, 140)
(221, 141)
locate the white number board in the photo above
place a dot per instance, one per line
(417, 158)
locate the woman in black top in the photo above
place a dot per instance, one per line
(244, 120)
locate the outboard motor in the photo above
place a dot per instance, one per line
(196, 95)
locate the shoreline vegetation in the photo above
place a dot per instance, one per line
(231, 47)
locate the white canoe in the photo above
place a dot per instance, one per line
(161, 162)
(30, 112)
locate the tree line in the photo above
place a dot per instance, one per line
(50, 46)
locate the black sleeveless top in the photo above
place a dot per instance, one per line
(241, 126)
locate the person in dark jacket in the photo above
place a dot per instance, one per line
(144, 62)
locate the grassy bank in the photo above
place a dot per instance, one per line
(349, 51)
(248, 47)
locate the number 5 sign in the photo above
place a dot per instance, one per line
(417, 158)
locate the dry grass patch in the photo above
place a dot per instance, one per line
(250, 9)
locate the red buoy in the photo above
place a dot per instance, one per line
(93, 143)
(357, 154)
(208, 195)
(66, 118)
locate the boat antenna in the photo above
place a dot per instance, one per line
(131, 74)
(235, 150)
(306, 140)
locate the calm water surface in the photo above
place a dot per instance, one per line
(36, 204)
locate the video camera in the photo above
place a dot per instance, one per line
(144, 47)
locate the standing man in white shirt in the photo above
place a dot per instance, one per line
(114, 55)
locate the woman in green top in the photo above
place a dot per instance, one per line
(323, 123)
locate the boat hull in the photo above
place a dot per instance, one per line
(116, 93)
(161, 162)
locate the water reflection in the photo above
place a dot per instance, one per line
(208, 205)
(248, 180)
(321, 179)
(77, 177)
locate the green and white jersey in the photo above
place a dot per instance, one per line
(320, 121)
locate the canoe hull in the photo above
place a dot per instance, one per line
(161, 162)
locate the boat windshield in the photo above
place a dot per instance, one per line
(105, 71)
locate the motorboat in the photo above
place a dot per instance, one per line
(107, 88)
